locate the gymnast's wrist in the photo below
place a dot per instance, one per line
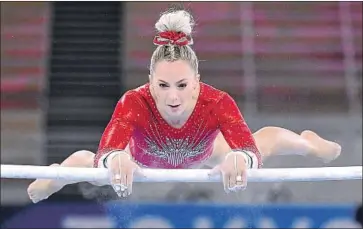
(110, 155)
(249, 157)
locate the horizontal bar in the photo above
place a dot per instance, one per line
(181, 175)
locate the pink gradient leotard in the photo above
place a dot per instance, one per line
(154, 143)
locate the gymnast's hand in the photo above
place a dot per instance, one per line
(234, 172)
(122, 170)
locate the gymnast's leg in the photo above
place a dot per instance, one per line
(272, 141)
(42, 188)
(279, 141)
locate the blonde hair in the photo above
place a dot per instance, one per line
(179, 21)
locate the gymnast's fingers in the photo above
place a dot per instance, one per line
(116, 175)
(124, 175)
(116, 182)
(241, 173)
(237, 180)
(241, 182)
(115, 172)
(129, 182)
(226, 178)
(232, 182)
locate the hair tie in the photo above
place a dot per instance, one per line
(173, 38)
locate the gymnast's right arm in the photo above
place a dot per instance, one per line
(118, 131)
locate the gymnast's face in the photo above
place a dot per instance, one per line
(175, 87)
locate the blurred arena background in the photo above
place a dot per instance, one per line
(64, 65)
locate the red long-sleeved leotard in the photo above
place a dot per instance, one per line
(154, 143)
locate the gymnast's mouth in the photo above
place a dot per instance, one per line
(174, 106)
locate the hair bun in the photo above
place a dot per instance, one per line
(174, 28)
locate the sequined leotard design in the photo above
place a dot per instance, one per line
(154, 143)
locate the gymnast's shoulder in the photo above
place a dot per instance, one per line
(211, 95)
(137, 98)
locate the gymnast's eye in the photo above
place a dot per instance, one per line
(182, 85)
(163, 85)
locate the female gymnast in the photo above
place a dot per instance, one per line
(176, 121)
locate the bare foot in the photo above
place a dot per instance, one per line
(326, 150)
(41, 189)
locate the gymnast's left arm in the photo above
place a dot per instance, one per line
(236, 131)
(118, 131)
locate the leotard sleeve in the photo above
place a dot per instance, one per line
(235, 130)
(119, 130)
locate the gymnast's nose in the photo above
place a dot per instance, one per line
(173, 97)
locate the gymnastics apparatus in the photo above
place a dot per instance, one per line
(181, 175)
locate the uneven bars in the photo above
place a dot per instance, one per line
(182, 175)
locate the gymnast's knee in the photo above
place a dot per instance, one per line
(268, 129)
(83, 158)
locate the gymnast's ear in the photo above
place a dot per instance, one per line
(198, 77)
(149, 78)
